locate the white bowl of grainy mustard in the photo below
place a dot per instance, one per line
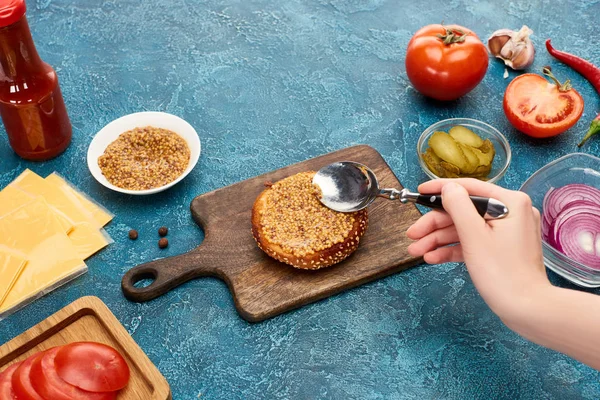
(143, 153)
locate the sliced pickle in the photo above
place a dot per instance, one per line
(465, 136)
(451, 175)
(433, 162)
(488, 148)
(450, 170)
(472, 159)
(482, 171)
(485, 159)
(448, 150)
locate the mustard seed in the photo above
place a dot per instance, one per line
(163, 230)
(163, 243)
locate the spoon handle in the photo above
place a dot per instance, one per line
(486, 207)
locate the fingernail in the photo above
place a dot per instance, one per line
(449, 187)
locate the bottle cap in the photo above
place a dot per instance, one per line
(11, 11)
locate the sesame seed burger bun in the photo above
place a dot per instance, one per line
(290, 224)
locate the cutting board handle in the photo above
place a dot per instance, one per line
(166, 274)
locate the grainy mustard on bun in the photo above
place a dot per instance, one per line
(290, 224)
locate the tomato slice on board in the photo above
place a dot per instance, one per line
(47, 382)
(6, 390)
(21, 381)
(92, 366)
(538, 108)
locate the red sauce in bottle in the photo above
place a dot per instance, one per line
(31, 104)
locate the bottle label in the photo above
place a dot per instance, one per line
(32, 126)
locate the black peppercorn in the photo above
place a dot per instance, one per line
(133, 234)
(163, 230)
(163, 243)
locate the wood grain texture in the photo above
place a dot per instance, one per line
(89, 319)
(261, 286)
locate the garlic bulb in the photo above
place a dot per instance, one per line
(513, 47)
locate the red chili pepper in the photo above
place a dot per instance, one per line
(594, 129)
(589, 71)
(584, 67)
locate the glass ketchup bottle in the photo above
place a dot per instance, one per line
(31, 104)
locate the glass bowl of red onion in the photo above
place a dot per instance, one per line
(567, 194)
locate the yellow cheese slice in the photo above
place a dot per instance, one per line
(87, 239)
(100, 215)
(52, 258)
(11, 198)
(34, 184)
(11, 266)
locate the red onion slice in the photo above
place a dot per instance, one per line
(570, 210)
(545, 228)
(571, 222)
(579, 236)
(556, 200)
(545, 205)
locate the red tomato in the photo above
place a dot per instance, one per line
(6, 390)
(47, 382)
(445, 71)
(21, 381)
(538, 108)
(92, 366)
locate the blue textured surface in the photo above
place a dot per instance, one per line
(267, 83)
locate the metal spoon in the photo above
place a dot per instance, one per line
(349, 186)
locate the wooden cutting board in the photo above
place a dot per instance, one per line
(261, 286)
(89, 319)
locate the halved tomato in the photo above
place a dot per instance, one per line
(92, 366)
(47, 382)
(21, 381)
(540, 108)
(6, 390)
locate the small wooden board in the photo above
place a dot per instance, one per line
(261, 286)
(89, 319)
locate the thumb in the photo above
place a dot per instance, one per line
(469, 224)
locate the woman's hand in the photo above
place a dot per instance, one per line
(503, 257)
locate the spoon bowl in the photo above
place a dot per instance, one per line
(346, 186)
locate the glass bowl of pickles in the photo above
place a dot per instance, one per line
(463, 148)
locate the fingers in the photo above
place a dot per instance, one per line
(537, 217)
(444, 255)
(430, 222)
(517, 202)
(468, 222)
(519, 207)
(438, 238)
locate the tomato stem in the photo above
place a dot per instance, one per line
(453, 36)
(562, 87)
